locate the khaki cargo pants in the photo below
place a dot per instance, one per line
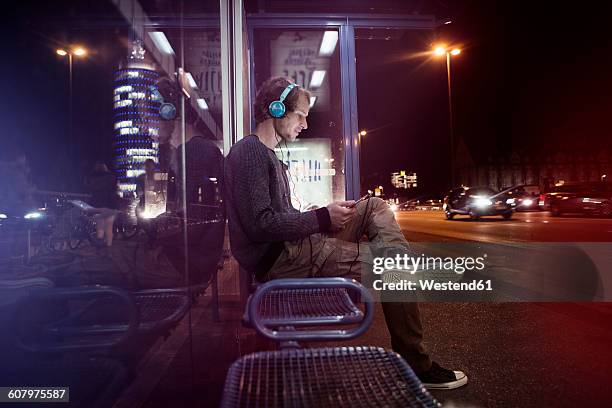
(342, 254)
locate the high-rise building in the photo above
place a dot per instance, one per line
(136, 118)
(403, 179)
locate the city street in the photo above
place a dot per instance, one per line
(431, 226)
(515, 353)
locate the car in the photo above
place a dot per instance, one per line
(476, 202)
(425, 202)
(593, 198)
(525, 197)
(566, 188)
(22, 218)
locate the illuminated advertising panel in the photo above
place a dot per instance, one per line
(310, 173)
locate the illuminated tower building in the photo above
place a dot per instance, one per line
(136, 118)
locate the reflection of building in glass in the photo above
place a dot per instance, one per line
(136, 120)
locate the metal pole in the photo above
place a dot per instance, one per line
(29, 244)
(70, 96)
(71, 148)
(450, 120)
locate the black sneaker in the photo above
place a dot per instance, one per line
(439, 378)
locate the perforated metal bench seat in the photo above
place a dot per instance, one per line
(161, 309)
(158, 310)
(104, 318)
(297, 307)
(324, 377)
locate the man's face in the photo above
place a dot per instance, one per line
(294, 122)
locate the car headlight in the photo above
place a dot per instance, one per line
(482, 202)
(590, 200)
(3, 216)
(510, 201)
(393, 207)
(32, 215)
(527, 201)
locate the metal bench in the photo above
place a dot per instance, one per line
(319, 377)
(308, 306)
(99, 313)
(56, 320)
(36, 353)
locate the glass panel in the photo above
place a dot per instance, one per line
(118, 167)
(310, 58)
(402, 106)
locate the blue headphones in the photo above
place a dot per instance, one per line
(167, 111)
(277, 109)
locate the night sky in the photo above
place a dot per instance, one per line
(533, 78)
(36, 84)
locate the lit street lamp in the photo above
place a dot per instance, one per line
(361, 134)
(70, 52)
(441, 50)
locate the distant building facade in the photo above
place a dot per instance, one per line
(545, 170)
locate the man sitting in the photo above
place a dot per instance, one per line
(271, 239)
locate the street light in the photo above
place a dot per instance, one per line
(79, 51)
(70, 52)
(361, 134)
(441, 50)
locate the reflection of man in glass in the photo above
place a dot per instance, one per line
(203, 166)
(271, 239)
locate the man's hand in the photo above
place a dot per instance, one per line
(340, 213)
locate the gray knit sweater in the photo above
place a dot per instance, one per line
(258, 199)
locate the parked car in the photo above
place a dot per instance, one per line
(567, 188)
(594, 198)
(476, 202)
(560, 190)
(525, 197)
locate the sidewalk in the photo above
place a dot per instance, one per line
(515, 354)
